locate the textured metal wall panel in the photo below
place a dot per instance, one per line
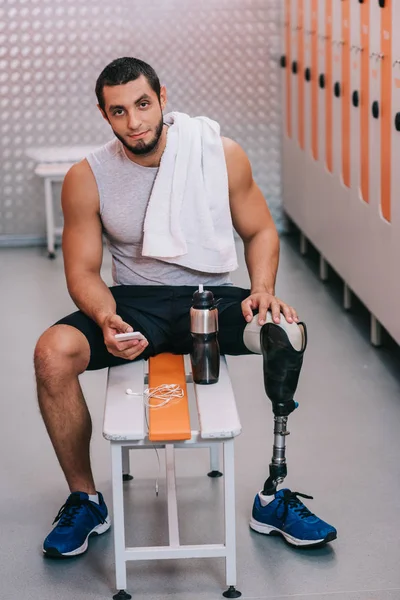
(216, 57)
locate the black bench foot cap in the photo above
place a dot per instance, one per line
(122, 595)
(214, 474)
(232, 593)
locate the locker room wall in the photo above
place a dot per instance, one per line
(346, 199)
(216, 57)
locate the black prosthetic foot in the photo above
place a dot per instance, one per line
(232, 592)
(282, 366)
(277, 474)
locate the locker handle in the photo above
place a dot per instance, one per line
(294, 67)
(397, 121)
(356, 99)
(375, 109)
(283, 61)
(382, 3)
(337, 90)
(322, 81)
(361, 1)
(307, 74)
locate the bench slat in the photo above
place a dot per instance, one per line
(124, 417)
(216, 407)
(172, 421)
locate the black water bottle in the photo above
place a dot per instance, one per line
(205, 355)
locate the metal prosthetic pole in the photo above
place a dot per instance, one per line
(277, 467)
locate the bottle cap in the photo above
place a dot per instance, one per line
(203, 299)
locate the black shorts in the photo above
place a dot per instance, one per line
(162, 314)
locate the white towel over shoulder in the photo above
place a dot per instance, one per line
(188, 220)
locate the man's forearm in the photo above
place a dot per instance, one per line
(92, 296)
(262, 258)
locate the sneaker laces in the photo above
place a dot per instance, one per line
(68, 512)
(292, 500)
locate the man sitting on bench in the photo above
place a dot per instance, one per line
(165, 194)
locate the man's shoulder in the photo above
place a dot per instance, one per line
(79, 171)
(79, 185)
(237, 162)
(229, 145)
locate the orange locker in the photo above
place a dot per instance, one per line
(375, 106)
(337, 88)
(386, 100)
(314, 78)
(320, 82)
(355, 97)
(346, 74)
(329, 84)
(365, 96)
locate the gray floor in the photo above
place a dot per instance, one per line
(343, 450)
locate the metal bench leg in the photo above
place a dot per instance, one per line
(119, 522)
(126, 470)
(214, 461)
(49, 218)
(230, 520)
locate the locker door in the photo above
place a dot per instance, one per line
(307, 83)
(337, 88)
(321, 82)
(329, 85)
(355, 95)
(294, 70)
(386, 100)
(395, 209)
(300, 41)
(286, 76)
(365, 99)
(375, 104)
(346, 17)
(314, 80)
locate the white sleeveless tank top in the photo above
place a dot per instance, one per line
(124, 190)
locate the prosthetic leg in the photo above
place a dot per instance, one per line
(282, 346)
(282, 512)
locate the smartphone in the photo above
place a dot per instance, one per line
(132, 335)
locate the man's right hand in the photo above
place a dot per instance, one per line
(130, 349)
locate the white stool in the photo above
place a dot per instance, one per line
(125, 427)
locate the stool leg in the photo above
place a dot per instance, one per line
(126, 470)
(49, 218)
(119, 521)
(230, 520)
(214, 461)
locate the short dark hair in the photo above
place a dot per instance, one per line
(122, 70)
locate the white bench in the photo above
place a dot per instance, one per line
(53, 163)
(125, 426)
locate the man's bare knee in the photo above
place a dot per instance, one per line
(61, 350)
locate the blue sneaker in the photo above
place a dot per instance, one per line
(286, 515)
(77, 520)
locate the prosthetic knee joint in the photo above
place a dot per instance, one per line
(282, 346)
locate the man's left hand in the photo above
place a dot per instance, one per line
(263, 301)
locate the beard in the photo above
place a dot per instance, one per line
(142, 148)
